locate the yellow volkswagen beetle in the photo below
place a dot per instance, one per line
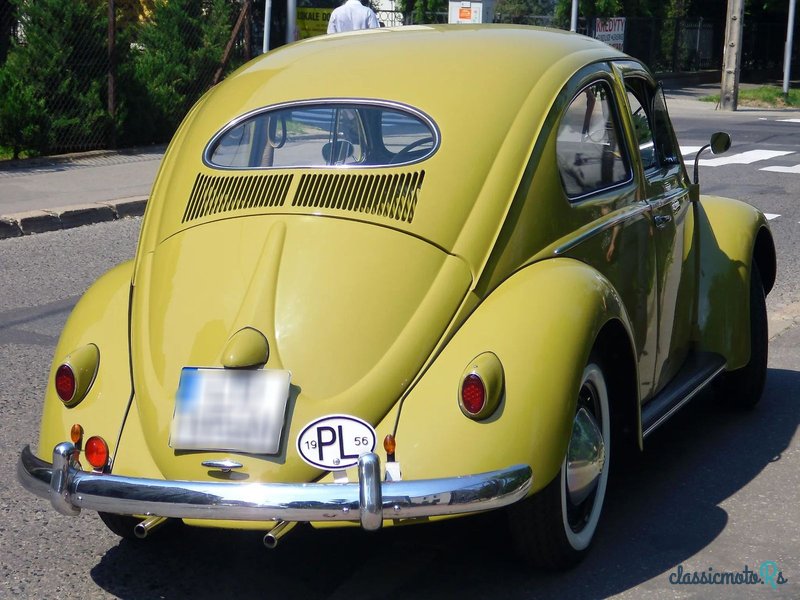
(400, 275)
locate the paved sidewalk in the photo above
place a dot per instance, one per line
(60, 192)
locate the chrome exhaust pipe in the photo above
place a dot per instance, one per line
(281, 529)
(141, 530)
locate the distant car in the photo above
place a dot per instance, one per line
(394, 276)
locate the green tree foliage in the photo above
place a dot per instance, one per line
(56, 78)
(424, 11)
(588, 8)
(6, 24)
(22, 114)
(172, 63)
(521, 11)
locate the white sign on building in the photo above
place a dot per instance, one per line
(470, 12)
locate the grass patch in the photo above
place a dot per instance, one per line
(766, 96)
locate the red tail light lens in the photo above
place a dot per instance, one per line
(65, 383)
(96, 452)
(473, 394)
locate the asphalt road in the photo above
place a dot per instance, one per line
(715, 489)
(771, 182)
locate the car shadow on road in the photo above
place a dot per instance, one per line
(661, 510)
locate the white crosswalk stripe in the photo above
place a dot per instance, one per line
(778, 169)
(744, 158)
(687, 150)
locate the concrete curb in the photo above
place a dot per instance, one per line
(53, 219)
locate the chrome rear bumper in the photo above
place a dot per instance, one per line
(369, 501)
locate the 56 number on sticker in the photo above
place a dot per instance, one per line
(335, 442)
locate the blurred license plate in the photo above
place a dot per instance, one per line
(224, 409)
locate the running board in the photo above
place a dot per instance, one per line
(697, 372)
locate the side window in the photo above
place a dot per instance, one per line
(588, 149)
(654, 134)
(644, 132)
(666, 144)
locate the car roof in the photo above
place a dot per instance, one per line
(428, 66)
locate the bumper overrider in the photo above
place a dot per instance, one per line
(369, 501)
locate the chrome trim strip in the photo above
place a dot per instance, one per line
(399, 106)
(305, 502)
(225, 465)
(601, 227)
(669, 198)
(686, 399)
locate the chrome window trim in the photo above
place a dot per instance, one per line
(398, 106)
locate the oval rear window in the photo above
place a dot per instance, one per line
(324, 134)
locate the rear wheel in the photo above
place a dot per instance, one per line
(554, 528)
(743, 387)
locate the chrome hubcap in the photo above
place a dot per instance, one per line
(586, 457)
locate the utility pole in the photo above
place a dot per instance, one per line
(112, 73)
(573, 23)
(787, 52)
(732, 56)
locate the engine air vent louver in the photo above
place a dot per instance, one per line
(391, 196)
(213, 194)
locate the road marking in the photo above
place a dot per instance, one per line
(771, 216)
(744, 158)
(687, 150)
(794, 169)
(788, 120)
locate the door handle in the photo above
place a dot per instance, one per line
(662, 220)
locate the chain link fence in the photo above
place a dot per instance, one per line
(84, 74)
(70, 82)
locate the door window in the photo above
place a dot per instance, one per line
(588, 149)
(654, 135)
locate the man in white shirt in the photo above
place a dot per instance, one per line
(350, 16)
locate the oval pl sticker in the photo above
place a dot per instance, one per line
(335, 442)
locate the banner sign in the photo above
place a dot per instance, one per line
(611, 31)
(312, 22)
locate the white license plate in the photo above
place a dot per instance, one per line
(234, 410)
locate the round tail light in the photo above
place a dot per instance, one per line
(65, 383)
(96, 451)
(481, 388)
(473, 394)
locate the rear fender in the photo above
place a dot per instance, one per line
(731, 234)
(542, 324)
(101, 318)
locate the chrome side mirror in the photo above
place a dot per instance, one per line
(720, 143)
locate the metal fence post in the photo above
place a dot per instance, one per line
(112, 74)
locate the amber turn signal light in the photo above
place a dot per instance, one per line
(389, 444)
(76, 434)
